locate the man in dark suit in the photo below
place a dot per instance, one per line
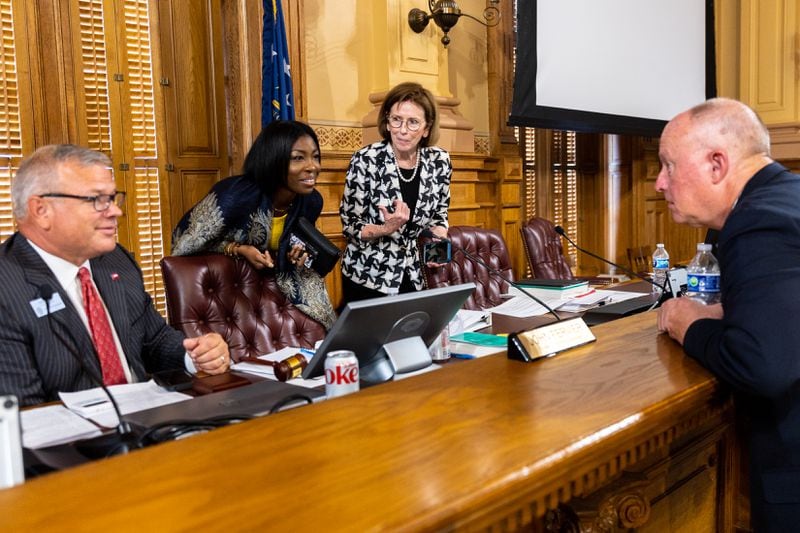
(717, 172)
(66, 204)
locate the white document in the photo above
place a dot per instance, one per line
(469, 320)
(54, 424)
(269, 373)
(523, 307)
(94, 404)
(597, 298)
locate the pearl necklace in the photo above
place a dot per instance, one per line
(416, 168)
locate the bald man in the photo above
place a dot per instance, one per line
(716, 172)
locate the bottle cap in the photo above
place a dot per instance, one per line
(703, 247)
(660, 245)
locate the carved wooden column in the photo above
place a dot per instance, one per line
(503, 144)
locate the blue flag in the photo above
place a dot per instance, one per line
(277, 101)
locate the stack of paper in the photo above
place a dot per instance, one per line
(563, 289)
(94, 404)
(54, 424)
(472, 345)
(470, 320)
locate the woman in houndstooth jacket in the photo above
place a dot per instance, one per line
(395, 189)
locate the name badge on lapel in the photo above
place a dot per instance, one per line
(40, 307)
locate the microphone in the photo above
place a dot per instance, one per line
(123, 439)
(665, 294)
(475, 259)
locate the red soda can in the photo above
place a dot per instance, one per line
(341, 373)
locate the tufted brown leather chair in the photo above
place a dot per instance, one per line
(544, 251)
(490, 247)
(222, 294)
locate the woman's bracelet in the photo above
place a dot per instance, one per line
(231, 249)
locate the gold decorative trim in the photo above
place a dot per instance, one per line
(539, 504)
(482, 144)
(339, 137)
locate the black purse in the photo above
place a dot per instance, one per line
(322, 253)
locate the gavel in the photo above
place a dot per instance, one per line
(286, 369)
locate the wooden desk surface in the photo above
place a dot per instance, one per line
(484, 442)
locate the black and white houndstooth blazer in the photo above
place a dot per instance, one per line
(372, 180)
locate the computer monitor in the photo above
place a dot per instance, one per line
(391, 334)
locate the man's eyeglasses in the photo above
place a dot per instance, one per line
(412, 124)
(101, 202)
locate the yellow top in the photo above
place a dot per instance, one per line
(277, 231)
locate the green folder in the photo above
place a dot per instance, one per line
(481, 339)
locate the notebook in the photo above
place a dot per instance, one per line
(253, 400)
(612, 311)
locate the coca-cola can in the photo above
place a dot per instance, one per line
(341, 373)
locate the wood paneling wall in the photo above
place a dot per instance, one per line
(195, 101)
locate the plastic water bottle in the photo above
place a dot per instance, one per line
(703, 276)
(660, 268)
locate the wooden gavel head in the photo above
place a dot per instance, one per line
(291, 367)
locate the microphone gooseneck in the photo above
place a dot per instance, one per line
(123, 439)
(665, 294)
(428, 233)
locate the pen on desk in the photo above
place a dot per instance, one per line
(306, 351)
(92, 404)
(462, 356)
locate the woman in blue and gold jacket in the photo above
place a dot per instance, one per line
(252, 216)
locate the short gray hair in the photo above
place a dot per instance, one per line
(39, 171)
(734, 120)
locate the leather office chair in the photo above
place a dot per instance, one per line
(490, 247)
(544, 250)
(225, 295)
(640, 259)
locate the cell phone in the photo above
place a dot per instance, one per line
(437, 252)
(312, 253)
(173, 380)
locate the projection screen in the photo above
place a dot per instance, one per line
(611, 66)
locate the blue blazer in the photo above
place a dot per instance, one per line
(35, 364)
(755, 348)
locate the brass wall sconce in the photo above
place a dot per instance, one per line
(445, 13)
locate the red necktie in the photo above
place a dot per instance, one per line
(101, 331)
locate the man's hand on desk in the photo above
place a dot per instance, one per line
(209, 353)
(677, 314)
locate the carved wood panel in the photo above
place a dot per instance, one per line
(194, 93)
(769, 64)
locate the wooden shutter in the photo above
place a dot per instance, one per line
(16, 132)
(113, 49)
(565, 185)
(528, 153)
(93, 72)
(140, 129)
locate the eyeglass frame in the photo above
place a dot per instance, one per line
(404, 122)
(118, 199)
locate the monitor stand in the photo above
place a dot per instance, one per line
(408, 355)
(396, 357)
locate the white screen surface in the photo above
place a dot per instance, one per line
(599, 64)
